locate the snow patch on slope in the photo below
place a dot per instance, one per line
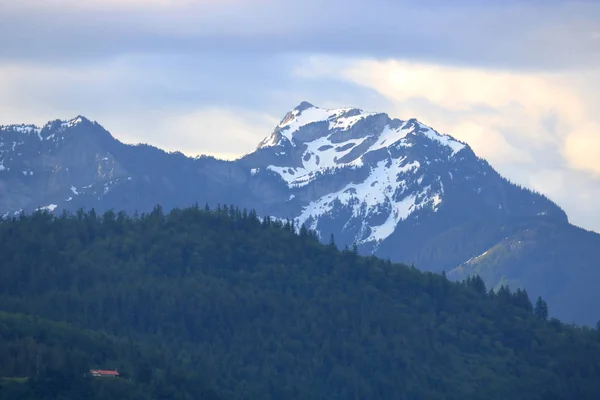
(22, 128)
(445, 140)
(50, 207)
(476, 258)
(336, 118)
(390, 137)
(381, 192)
(73, 122)
(321, 156)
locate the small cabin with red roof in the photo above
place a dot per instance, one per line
(103, 373)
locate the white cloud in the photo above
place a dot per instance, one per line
(223, 133)
(489, 142)
(548, 180)
(37, 94)
(582, 147)
(575, 192)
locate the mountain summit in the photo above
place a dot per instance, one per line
(349, 124)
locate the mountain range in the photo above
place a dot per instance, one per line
(395, 188)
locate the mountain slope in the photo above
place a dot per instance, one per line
(396, 188)
(277, 315)
(550, 258)
(374, 174)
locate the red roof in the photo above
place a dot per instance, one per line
(104, 372)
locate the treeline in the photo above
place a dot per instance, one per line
(503, 295)
(257, 308)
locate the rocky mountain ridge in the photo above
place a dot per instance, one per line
(359, 175)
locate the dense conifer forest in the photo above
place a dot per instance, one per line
(219, 304)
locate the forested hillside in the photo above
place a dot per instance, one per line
(41, 359)
(219, 304)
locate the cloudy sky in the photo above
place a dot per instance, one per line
(518, 80)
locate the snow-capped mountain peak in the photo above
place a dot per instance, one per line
(46, 131)
(306, 114)
(61, 125)
(388, 165)
(310, 140)
(302, 123)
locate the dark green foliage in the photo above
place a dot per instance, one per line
(40, 359)
(541, 309)
(476, 283)
(266, 311)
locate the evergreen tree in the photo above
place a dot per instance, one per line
(541, 308)
(476, 283)
(504, 294)
(521, 299)
(303, 231)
